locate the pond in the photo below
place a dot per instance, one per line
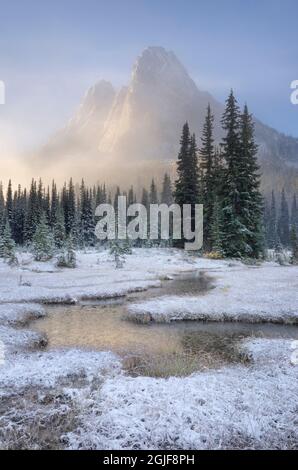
(158, 350)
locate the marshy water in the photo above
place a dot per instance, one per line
(158, 350)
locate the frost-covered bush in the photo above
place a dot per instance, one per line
(120, 248)
(67, 258)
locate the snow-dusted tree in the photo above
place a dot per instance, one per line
(87, 224)
(119, 248)
(167, 191)
(294, 213)
(187, 189)
(235, 242)
(67, 258)
(2, 209)
(272, 223)
(59, 229)
(207, 157)
(7, 245)
(294, 244)
(54, 204)
(283, 226)
(32, 214)
(216, 228)
(251, 201)
(42, 242)
(9, 204)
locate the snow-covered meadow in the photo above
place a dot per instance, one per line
(84, 399)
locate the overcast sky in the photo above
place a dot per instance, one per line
(52, 51)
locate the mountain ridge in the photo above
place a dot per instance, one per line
(141, 123)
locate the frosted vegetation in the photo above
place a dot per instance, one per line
(81, 399)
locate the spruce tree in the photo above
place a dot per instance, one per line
(294, 244)
(32, 215)
(54, 204)
(167, 192)
(71, 208)
(7, 244)
(207, 157)
(251, 201)
(59, 229)
(9, 204)
(42, 241)
(294, 213)
(187, 183)
(284, 222)
(153, 198)
(272, 223)
(216, 228)
(2, 209)
(235, 232)
(86, 216)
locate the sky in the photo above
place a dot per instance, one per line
(52, 51)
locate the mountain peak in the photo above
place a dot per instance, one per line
(102, 90)
(156, 63)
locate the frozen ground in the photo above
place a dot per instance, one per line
(83, 399)
(240, 407)
(260, 294)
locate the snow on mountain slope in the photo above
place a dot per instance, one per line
(141, 124)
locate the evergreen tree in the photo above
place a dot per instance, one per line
(251, 201)
(294, 213)
(67, 259)
(207, 163)
(284, 222)
(153, 198)
(2, 209)
(294, 244)
(19, 214)
(145, 198)
(272, 224)
(59, 229)
(167, 192)
(216, 228)
(32, 215)
(9, 204)
(235, 232)
(54, 204)
(43, 241)
(86, 216)
(71, 209)
(187, 183)
(7, 245)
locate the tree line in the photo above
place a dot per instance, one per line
(225, 178)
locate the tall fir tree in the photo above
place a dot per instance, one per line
(167, 191)
(59, 229)
(153, 197)
(42, 240)
(216, 227)
(272, 223)
(7, 244)
(2, 209)
(187, 189)
(294, 213)
(207, 163)
(284, 221)
(251, 200)
(235, 232)
(9, 204)
(32, 215)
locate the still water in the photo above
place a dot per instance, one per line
(159, 350)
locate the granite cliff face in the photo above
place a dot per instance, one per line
(137, 129)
